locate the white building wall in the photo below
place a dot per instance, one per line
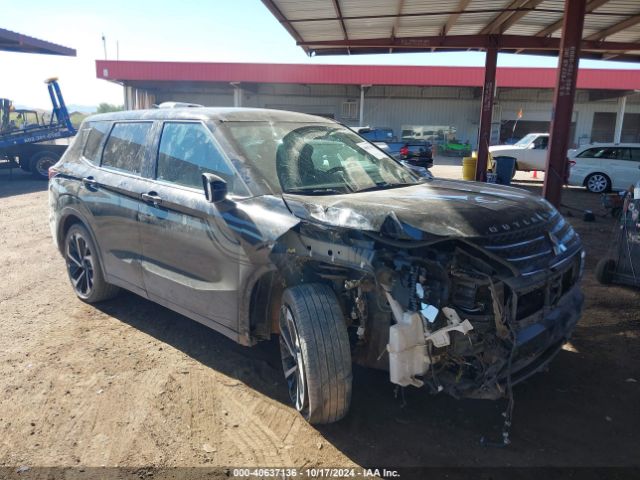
(394, 107)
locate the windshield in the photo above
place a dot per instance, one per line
(526, 140)
(315, 158)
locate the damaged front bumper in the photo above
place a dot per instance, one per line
(469, 357)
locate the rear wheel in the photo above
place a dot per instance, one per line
(598, 183)
(315, 352)
(83, 267)
(605, 269)
(40, 163)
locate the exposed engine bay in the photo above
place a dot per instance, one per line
(460, 315)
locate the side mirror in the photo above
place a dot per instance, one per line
(215, 188)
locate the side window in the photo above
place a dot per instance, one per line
(96, 132)
(635, 154)
(187, 150)
(125, 146)
(541, 143)
(624, 154)
(590, 153)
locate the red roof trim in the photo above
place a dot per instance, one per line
(357, 74)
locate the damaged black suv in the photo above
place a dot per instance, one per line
(260, 222)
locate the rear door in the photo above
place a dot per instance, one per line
(190, 258)
(111, 195)
(634, 174)
(629, 161)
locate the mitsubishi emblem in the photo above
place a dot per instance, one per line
(558, 246)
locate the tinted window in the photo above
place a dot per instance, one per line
(635, 154)
(610, 153)
(96, 132)
(187, 150)
(125, 147)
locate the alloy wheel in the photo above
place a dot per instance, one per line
(80, 264)
(597, 183)
(292, 362)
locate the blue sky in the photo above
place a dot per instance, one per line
(186, 30)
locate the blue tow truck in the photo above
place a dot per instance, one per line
(27, 140)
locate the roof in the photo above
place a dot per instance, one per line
(222, 114)
(129, 71)
(329, 27)
(16, 42)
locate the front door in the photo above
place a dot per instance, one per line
(190, 259)
(536, 155)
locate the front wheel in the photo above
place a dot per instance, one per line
(315, 353)
(598, 183)
(83, 267)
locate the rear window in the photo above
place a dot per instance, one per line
(95, 132)
(126, 146)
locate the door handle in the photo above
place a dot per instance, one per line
(152, 197)
(90, 182)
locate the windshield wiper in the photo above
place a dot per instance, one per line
(314, 191)
(384, 186)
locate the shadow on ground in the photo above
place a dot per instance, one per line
(16, 182)
(580, 413)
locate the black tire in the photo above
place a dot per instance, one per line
(83, 267)
(598, 182)
(605, 270)
(313, 325)
(40, 163)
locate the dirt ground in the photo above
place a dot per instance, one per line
(130, 383)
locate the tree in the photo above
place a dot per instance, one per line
(108, 107)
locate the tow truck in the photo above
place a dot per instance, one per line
(28, 141)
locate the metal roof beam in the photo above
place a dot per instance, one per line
(423, 14)
(275, 11)
(507, 42)
(555, 26)
(17, 42)
(629, 22)
(396, 23)
(336, 6)
(453, 18)
(507, 18)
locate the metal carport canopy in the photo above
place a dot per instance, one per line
(571, 29)
(16, 42)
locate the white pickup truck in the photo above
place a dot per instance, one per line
(530, 151)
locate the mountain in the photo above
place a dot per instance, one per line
(70, 108)
(82, 108)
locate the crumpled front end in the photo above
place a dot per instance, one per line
(468, 316)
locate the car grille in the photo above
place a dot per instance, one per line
(532, 249)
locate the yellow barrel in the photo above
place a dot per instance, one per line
(469, 168)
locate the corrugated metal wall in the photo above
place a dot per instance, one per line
(394, 107)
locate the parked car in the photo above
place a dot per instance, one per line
(530, 152)
(605, 167)
(376, 134)
(263, 222)
(418, 152)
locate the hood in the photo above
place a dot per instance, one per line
(442, 208)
